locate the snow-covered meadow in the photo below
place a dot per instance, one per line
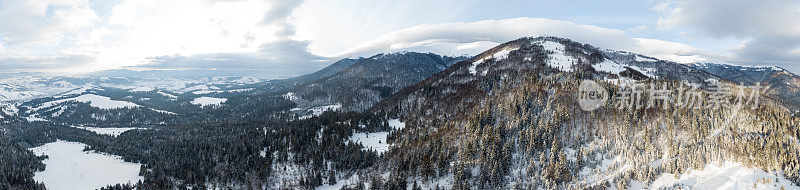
(109, 131)
(208, 101)
(727, 175)
(377, 141)
(69, 167)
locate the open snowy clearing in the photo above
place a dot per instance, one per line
(377, 141)
(68, 167)
(208, 101)
(725, 176)
(396, 124)
(372, 141)
(558, 58)
(317, 111)
(96, 101)
(109, 131)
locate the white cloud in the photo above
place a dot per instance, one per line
(475, 37)
(770, 29)
(153, 27)
(333, 26)
(248, 34)
(43, 22)
(40, 33)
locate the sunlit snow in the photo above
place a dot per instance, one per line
(108, 131)
(499, 55)
(168, 95)
(558, 58)
(645, 59)
(317, 111)
(396, 124)
(69, 167)
(142, 89)
(372, 141)
(208, 101)
(97, 101)
(609, 66)
(725, 176)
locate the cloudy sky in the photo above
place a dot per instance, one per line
(90, 35)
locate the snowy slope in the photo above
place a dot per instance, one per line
(725, 176)
(372, 141)
(557, 57)
(377, 141)
(113, 131)
(317, 111)
(96, 101)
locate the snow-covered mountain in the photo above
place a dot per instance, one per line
(781, 84)
(84, 99)
(503, 67)
(369, 80)
(510, 118)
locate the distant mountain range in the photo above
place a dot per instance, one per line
(781, 84)
(358, 84)
(369, 80)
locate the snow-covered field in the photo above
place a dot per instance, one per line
(317, 111)
(609, 66)
(377, 141)
(168, 95)
(396, 124)
(725, 176)
(96, 101)
(68, 167)
(109, 131)
(208, 101)
(372, 141)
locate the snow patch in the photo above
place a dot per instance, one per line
(69, 167)
(164, 112)
(622, 81)
(205, 92)
(9, 109)
(725, 176)
(317, 111)
(645, 71)
(640, 58)
(34, 118)
(200, 87)
(351, 181)
(168, 95)
(499, 55)
(291, 96)
(96, 101)
(396, 124)
(77, 91)
(208, 101)
(142, 89)
(609, 66)
(558, 58)
(109, 131)
(372, 141)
